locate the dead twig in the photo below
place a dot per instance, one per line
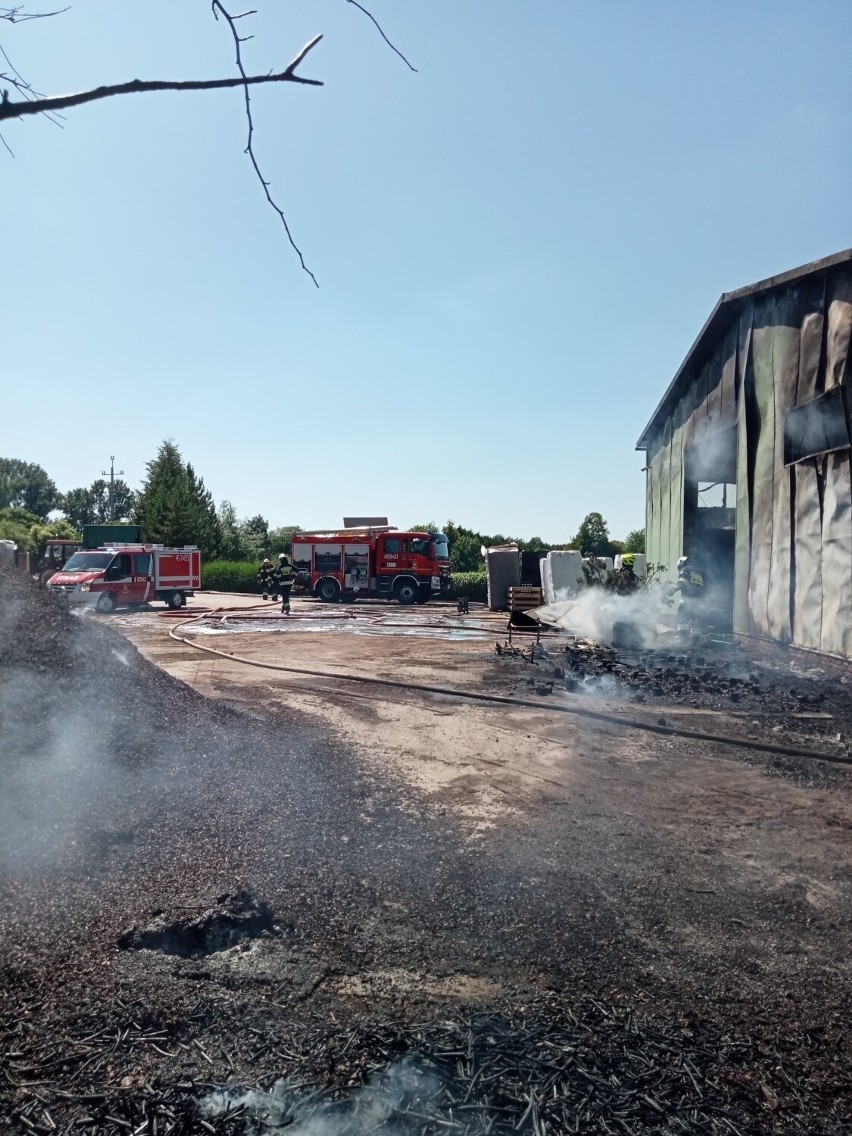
(230, 20)
(370, 16)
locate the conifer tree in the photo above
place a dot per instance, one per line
(174, 507)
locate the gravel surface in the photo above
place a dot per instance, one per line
(198, 900)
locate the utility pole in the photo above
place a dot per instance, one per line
(112, 484)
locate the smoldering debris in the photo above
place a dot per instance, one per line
(633, 619)
(549, 1065)
(398, 1098)
(758, 697)
(194, 934)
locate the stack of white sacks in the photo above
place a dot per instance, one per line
(561, 575)
(503, 565)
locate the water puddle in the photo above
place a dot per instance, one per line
(416, 626)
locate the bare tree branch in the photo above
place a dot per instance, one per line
(9, 109)
(217, 8)
(370, 16)
(17, 15)
(16, 79)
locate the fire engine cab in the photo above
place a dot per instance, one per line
(346, 564)
(129, 574)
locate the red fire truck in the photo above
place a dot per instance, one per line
(131, 574)
(349, 563)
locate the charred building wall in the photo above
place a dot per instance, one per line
(748, 458)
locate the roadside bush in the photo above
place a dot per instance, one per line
(474, 585)
(230, 576)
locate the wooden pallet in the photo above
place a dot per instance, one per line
(524, 597)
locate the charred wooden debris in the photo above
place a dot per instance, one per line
(547, 1067)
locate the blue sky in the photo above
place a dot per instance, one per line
(515, 246)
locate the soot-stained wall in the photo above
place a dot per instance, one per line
(765, 350)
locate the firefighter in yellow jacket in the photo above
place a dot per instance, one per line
(691, 585)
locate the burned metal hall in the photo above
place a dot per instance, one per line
(748, 459)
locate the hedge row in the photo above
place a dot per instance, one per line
(230, 576)
(237, 576)
(474, 585)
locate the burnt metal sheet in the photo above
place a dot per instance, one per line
(837, 557)
(807, 552)
(724, 316)
(742, 549)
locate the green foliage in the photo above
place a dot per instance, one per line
(25, 485)
(61, 529)
(635, 541)
(229, 532)
(230, 576)
(17, 525)
(592, 537)
(91, 506)
(466, 546)
(281, 540)
(254, 537)
(251, 538)
(474, 585)
(174, 507)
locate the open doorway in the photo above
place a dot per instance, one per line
(709, 519)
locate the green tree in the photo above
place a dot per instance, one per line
(635, 541)
(465, 548)
(78, 507)
(25, 485)
(206, 521)
(91, 506)
(254, 537)
(174, 508)
(230, 547)
(16, 525)
(281, 539)
(39, 533)
(592, 537)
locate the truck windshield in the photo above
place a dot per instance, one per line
(88, 562)
(442, 546)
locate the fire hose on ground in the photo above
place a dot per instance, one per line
(518, 703)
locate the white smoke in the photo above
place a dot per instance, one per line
(613, 619)
(374, 1107)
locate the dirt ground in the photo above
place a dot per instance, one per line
(698, 851)
(428, 859)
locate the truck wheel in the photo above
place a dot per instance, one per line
(106, 603)
(46, 576)
(328, 590)
(407, 592)
(176, 600)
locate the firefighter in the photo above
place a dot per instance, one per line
(628, 580)
(283, 576)
(690, 585)
(266, 576)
